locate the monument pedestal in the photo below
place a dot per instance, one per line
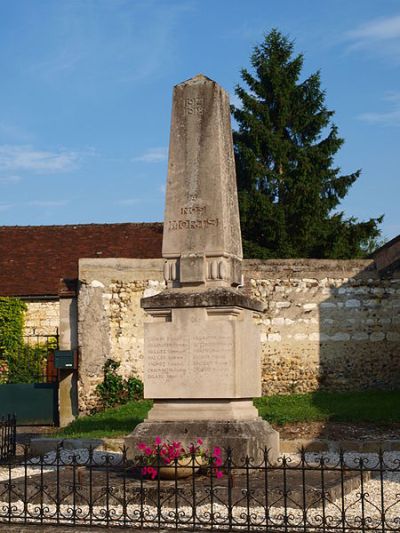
(243, 437)
(202, 368)
(164, 410)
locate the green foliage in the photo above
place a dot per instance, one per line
(28, 364)
(11, 325)
(112, 422)
(363, 406)
(20, 363)
(367, 406)
(115, 390)
(289, 188)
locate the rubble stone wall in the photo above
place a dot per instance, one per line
(110, 319)
(329, 324)
(42, 317)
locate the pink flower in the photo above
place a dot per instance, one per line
(218, 461)
(176, 444)
(148, 450)
(157, 441)
(141, 445)
(199, 442)
(217, 451)
(152, 472)
(218, 474)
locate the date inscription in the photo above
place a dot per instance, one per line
(193, 106)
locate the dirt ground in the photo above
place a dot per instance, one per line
(300, 430)
(339, 431)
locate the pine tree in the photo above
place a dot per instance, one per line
(287, 182)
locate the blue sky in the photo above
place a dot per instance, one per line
(85, 96)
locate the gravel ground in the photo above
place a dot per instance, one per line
(356, 509)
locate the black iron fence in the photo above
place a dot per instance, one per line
(306, 492)
(8, 429)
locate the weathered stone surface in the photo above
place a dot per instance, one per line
(201, 409)
(202, 239)
(213, 297)
(42, 317)
(288, 364)
(202, 353)
(243, 437)
(200, 342)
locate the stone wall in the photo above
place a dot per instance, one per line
(330, 324)
(42, 317)
(110, 320)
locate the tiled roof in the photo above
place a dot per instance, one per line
(33, 259)
(387, 257)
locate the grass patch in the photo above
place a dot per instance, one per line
(113, 422)
(379, 407)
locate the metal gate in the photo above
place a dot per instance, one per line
(29, 382)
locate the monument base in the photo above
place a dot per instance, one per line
(217, 410)
(245, 438)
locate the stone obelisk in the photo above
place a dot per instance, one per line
(201, 347)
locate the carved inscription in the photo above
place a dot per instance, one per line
(193, 106)
(194, 210)
(213, 355)
(174, 225)
(172, 359)
(166, 358)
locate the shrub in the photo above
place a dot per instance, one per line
(28, 364)
(115, 390)
(11, 325)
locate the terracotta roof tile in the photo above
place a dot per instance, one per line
(33, 259)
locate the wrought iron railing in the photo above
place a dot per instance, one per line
(8, 430)
(305, 492)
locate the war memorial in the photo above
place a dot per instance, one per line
(202, 349)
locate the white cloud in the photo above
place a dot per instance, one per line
(13, 133)
(153, 155)
(129, 201)
(131, 51)
(10, 179)
(34, 203)
(46, 203)
(379, 36)
(379, 29)
(25, 157)
(385, 118)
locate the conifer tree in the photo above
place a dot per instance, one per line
(289, 188)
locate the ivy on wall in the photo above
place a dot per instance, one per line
(11, 325)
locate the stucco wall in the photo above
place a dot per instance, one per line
(331, 324)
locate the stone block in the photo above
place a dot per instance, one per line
(202, 353)
(244, 438)
(78, 444)
(42, 446)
